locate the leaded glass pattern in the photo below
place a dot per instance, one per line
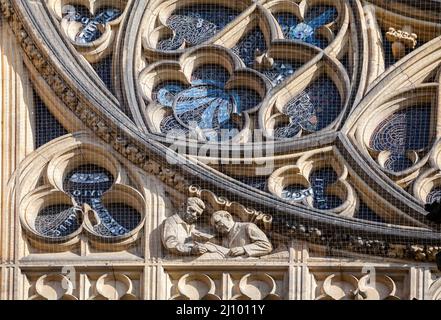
(195, 24)
(58, 220)
(295, 29)
(206, 105)
(251, 44)
(87, 184)
(434, 195)
(47, 127)
(402, 132)
(92, 25)
(311, 110)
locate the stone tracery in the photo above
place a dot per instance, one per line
(272, 64)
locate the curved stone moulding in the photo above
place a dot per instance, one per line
(86, 210)
(274, 112)
(100, 24)
(260, 286)
(400, 105)
(257, 16)
(343, 286)
(301, 173)
(339, 287)
(425, 187)
(196, 286)
(156, 27)
(334, 30)
(116, 286)
(379, 287)
(318, 178)
(129, 135)
(395, 17)
(181, 77)
(53, 287)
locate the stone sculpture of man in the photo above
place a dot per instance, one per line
(242, 238)
(178, 229)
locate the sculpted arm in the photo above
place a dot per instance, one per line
(170, 239)
(260, 245)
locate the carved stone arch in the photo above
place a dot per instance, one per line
(375, 60)
(128, 187)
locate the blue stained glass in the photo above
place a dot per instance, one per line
(206, 104)
(403, 131)
(305, 30)
(87, 184)
(169, 125)
(296, 192)
(58, 220)
(253, 42)
(320, 180)
(302, 31)
(244, 99)
(166, 95)
(92, 25)
(311, 110)
(280, 70)
(434, 195)
(196, 24)
(216, 104)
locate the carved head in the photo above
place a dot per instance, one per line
(222, 221)
(193, 211)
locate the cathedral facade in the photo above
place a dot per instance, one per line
(220, 150)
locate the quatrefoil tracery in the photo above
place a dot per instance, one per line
(258, 43)
(196, 93)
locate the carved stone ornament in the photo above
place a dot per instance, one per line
(250, 149)
(227, 238)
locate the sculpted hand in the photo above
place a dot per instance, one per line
(237, 251)
(199, 249)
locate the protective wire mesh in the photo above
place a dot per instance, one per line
(328, 136)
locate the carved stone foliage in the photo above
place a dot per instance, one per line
(79, 188)
(230, 285)
(216, 203)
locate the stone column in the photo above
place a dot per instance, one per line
(16, 141)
